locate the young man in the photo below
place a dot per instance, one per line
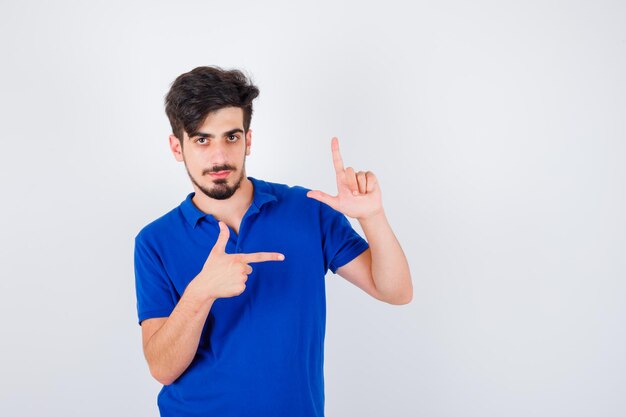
(230, 284)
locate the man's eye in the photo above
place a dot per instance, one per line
(202, 141)
(233, 138)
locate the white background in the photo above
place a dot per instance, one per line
(497, 131)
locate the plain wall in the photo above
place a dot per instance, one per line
(497, 131)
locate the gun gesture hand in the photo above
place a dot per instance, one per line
(224, 275)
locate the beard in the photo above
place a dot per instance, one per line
(221, 190)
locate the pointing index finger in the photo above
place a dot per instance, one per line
(261, 257)
(337, 161)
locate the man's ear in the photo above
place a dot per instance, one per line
(176, 148)
(248, 141)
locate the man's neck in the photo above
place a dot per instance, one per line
(230, 210)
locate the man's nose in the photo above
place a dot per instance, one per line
(219, 154)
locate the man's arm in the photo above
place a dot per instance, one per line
(382, 270)
(170, 343)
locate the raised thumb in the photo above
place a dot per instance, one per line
(222, 239)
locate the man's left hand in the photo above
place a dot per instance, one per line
(358, 193)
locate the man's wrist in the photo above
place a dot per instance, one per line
(373, 218)
(197, 294)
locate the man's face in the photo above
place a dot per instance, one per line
(215, 156)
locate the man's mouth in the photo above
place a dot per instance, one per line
(219, 174)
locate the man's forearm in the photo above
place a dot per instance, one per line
(390, 269)
(171, 349)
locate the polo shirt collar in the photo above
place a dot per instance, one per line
(262, 194)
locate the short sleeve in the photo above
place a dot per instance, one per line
(340, 242)
(155, 292)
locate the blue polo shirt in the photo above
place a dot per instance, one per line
(260, 353)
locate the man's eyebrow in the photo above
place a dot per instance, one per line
(210, 135)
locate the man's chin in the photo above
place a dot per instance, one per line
(218, 193)
(221, 190)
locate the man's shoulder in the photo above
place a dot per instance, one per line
(280, 189)
(294, 197)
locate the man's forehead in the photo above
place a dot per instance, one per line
(220, 122)
(225, 114)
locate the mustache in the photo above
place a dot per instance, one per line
(218, 168)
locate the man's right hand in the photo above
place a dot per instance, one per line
(224, 275)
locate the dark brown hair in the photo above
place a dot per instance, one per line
(197, 93)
